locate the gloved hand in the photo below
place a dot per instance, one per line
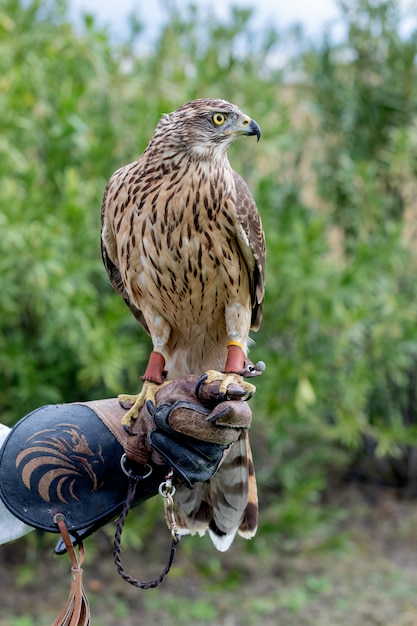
(195, 423)
(66, 458)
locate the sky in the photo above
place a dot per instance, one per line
(312, 14)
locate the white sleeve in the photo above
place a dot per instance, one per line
(10, 527)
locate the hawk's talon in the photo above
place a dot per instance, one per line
(228, 378)
(127, 429)
(126, 399)
(136, 402)
(200, 382)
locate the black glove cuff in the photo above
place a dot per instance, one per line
(192, 459)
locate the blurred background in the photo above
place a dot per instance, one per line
(335, 418)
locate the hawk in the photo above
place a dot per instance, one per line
(183, 244)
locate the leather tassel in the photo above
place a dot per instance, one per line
(77, 610)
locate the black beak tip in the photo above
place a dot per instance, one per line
(254, 129)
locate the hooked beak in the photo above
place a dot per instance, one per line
(245, 126)
(253, 128)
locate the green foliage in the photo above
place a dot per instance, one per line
(339, 333)
(365, 92)
(339, 329)
(63, 335)
(74, 108)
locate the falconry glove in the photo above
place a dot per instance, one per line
(71, 468)
(76, 459)
(193, 430)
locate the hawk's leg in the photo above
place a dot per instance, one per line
(237, 366)
(236, 358)
(238, 363)
(238, 320)
(155, 370)
(155, 373)
(153, 378)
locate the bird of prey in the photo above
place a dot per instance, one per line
(183, 244)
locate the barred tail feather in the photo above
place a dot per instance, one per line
(224, 505)
(249, 524)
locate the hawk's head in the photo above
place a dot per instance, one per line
(204, 128)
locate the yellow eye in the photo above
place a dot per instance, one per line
(219, 119)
